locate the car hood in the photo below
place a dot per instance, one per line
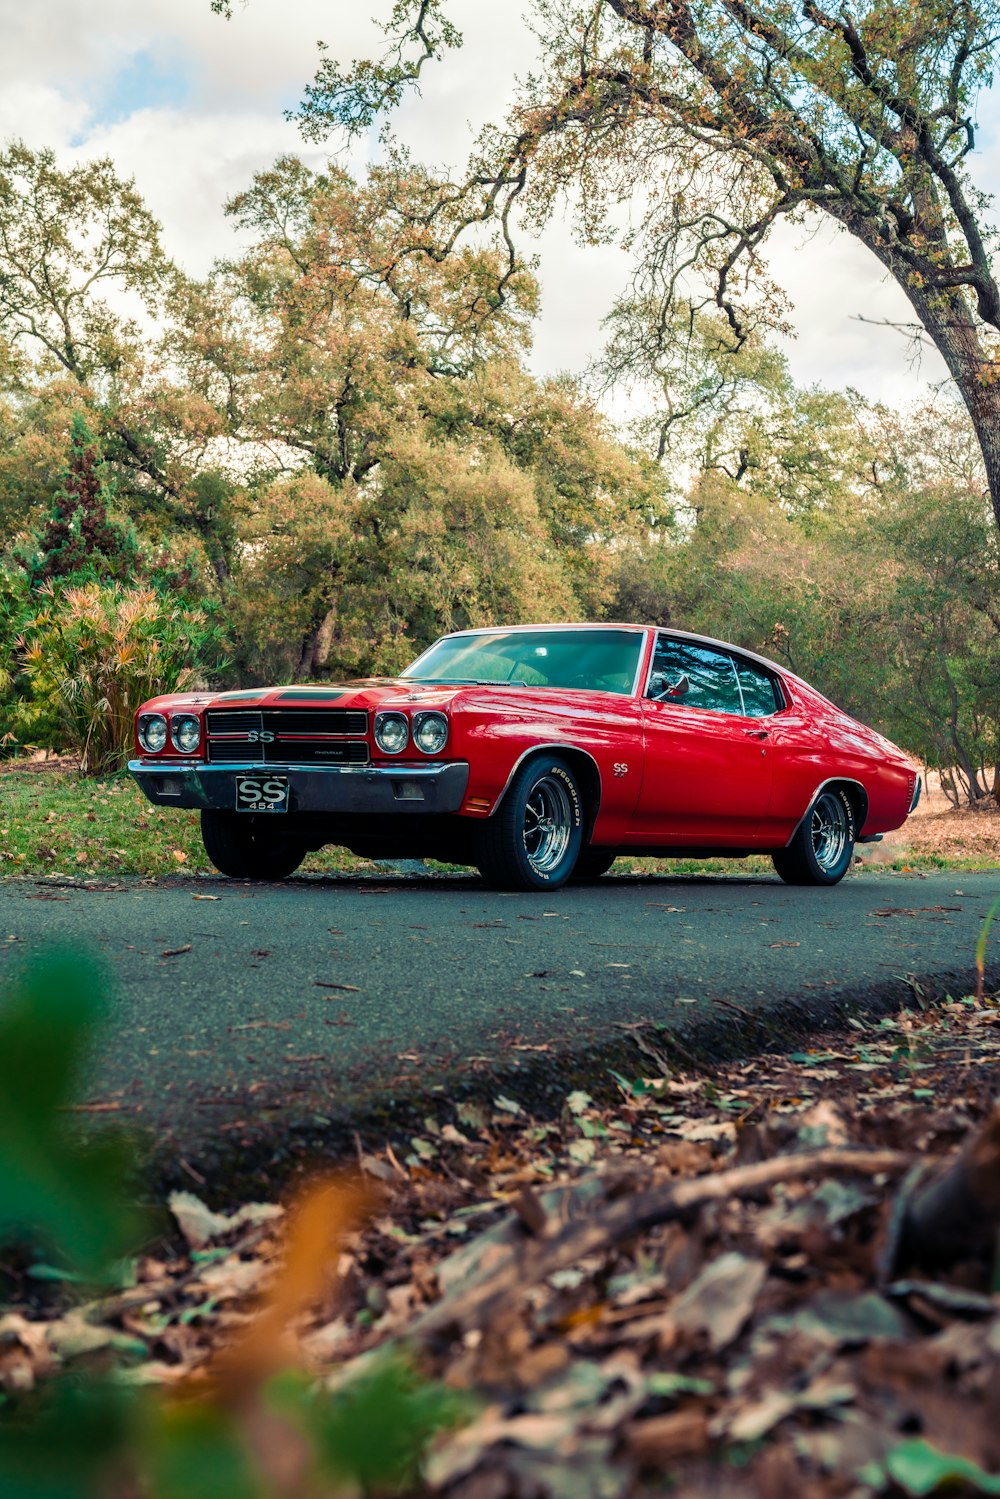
(372, 693)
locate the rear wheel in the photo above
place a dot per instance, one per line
(821, 851)
(533, 839)
(592, 863)
(248, 846)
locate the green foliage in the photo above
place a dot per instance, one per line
(374, 1429)
(67, 240)
(81, 541)
(65, 1192)
(334, 444)
(851, 542)
(198, 1452)
(916, 1468)
(68, 1443)
(714, 124)
(91, 655)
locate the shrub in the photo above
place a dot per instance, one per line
(90, 655)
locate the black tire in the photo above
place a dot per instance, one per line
(592, 863)
(247, 846)
(533, 839)
(821, 851)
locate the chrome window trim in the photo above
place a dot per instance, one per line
(781, 698)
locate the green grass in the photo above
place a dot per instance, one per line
(56, 822)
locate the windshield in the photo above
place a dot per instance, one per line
(602, 660)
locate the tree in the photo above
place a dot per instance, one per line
(883, 590)
(344, 316)
(404, 474)
(721, 117)
(86, 294)
(709, 407)
(81, 539)
(68, 240)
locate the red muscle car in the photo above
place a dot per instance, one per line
(537, 753)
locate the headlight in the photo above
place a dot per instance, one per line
(430, 732)
(392, 730)
(185, 731)
(152, 732)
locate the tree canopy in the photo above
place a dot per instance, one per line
(716, 118)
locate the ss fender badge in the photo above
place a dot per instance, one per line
(621, 768)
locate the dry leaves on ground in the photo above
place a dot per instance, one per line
(708, 1281)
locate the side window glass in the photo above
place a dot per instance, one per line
(694, 676)
(760, 694)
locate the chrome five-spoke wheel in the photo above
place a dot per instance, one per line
(828, 829)
(533, 838)
(822, 846)
(548, 825)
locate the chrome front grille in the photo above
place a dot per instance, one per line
(267, 736)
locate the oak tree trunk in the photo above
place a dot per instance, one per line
(947, 317)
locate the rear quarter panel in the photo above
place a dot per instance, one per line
(814, 741)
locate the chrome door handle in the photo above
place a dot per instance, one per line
(756, 733)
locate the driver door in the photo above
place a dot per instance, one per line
(707, 766)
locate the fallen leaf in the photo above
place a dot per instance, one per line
(721, 1299)
(200, 1225)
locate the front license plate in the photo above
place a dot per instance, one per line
(262, 793)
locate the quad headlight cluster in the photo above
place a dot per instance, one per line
(394, 731)
(184, 732)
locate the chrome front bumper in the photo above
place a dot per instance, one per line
(401, 788)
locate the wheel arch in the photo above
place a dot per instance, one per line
(581, 761)
(855, 791)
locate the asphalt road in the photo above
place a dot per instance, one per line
(238, 1001)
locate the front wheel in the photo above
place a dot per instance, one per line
(821, 851)
(248, 846)
(533, 839)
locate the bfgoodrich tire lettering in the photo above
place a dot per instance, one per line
(533, 839)
(823, 846)
(249, 847)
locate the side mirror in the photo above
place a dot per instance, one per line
(660, 687)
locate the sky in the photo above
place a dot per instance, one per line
(192, 105)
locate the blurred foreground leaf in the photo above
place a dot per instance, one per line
(60, 1190)
(65, 1444)
(199, 1451)
(918, 1468)
(372, 1433)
